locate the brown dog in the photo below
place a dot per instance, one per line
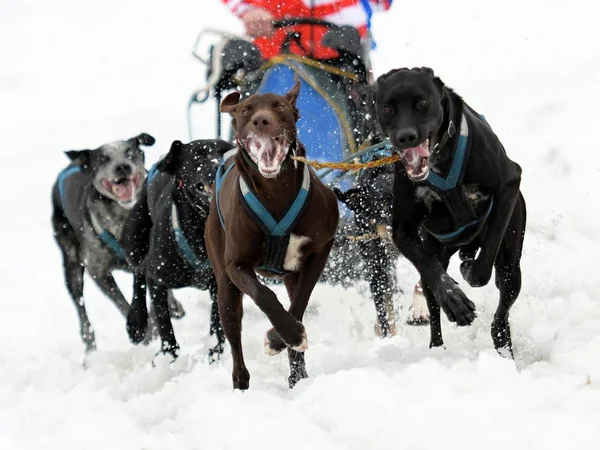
(269, 215)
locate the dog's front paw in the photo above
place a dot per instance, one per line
(273, 343)
(476, 273)
(454, 302)
(137, 325)
(294, 337)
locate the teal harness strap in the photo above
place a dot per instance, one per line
(449, 236)
(277, 234)
(184, 245)
(282, 227)
(104, 235)
(459, 208)
(107, 238)
(458, 161)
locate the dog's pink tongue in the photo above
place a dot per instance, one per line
(124, 191)
(415, 153)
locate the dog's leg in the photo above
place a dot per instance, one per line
(137, 317)
(301, 288)
(479, 271)
(449, 296)
(435, 324)
(74, 270)
(273, 342)
(74, 277)
(231, 312)
(160, 302)
(380, 284)
(108, 285)
(508, 278)
(216, 329)
(287, 326)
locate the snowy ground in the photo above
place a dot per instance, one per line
(77, 74)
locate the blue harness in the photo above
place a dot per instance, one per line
(103, 234)
(449, 188)
(183, 244)
(277, 234)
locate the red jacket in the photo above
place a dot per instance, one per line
(340, 12)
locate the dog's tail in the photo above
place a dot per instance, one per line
(135, 238)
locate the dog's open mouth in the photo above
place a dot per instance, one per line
(416, 161)
(125, 189)
(267, 152)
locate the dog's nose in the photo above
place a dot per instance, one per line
(407, 136)
(262, 120)
(123, 170)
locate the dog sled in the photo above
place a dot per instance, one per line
(331, 126)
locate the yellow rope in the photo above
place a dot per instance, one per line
(349, 166)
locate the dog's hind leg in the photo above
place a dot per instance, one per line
(216, 329)
(231, 312)
(160, 303)
(380, 284)
(107, 284)
(508, 277)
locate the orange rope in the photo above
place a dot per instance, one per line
(349, 166)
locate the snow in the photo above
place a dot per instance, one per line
(78, 74)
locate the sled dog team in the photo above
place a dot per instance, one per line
(215, 216)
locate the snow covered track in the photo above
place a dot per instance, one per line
(66, 82)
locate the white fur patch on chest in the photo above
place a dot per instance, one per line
(293, 255)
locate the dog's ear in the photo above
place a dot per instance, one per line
(229, 103)
(171, 160)
(143, 139)
(80, 157)
(292, 96)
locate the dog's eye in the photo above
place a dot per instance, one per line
(281, 107)
(421, 104)
(102, 159)
(387, 109)
(245, 112)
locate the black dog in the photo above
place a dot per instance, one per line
(455, 190)
(371, 202)
(91, 200)
(165, 236)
